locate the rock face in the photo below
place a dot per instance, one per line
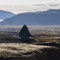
(25, 35)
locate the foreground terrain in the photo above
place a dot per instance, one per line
(46, 45)
(19, 51)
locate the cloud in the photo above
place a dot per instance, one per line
(24, 8)
(25, 2)
(29, 8)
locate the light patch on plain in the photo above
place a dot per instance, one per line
(20, 48)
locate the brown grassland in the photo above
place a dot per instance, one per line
(46, 47)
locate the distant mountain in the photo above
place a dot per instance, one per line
(50, 17)
(51, 11)
(5, 15)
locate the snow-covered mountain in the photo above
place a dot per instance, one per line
(49, 17)
(5, 15)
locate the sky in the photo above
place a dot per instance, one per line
(26, 2)
(21, 6)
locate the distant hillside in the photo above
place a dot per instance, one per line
(52, 11)
(5, 15)
(50, 17)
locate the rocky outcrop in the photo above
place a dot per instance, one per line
(25, 35)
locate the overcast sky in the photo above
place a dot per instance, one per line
(20, 6)
(23, 2)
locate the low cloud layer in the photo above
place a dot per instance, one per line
(29, 8)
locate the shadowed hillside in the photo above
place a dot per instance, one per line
(50, 17)
(5, 14)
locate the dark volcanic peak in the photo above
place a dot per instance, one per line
(24, 31)
(25, 35)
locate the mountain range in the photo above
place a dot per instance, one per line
(49, 17)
